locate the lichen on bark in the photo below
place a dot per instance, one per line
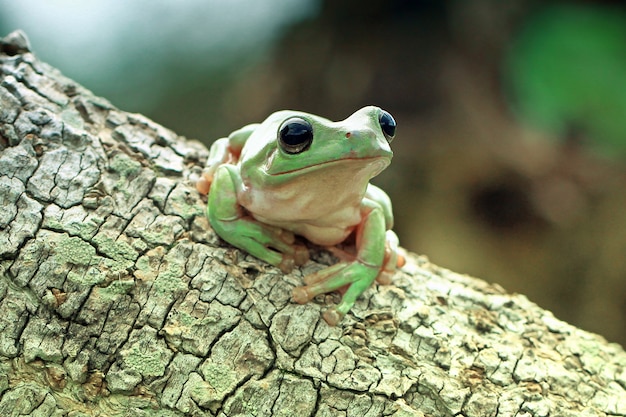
(117, 299)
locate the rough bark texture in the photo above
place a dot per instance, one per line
(117, 299)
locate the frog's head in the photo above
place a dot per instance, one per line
(292, 144)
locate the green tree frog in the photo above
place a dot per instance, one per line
(300, 174)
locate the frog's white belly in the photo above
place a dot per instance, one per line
(326, 231)
(325, 219)
(324, 215)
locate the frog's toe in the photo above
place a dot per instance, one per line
(401, 261)
(203, 185)
(287, 264)
(301, 295)
(332, 316)
(312, 279)
(301, 255)
(286, 236)
(384, 278)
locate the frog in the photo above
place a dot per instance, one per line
(298, 175)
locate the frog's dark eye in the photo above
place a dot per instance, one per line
(295, 135)
(387, 124)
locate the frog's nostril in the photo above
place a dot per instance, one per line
(360, 134)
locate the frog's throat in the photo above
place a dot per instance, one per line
(381, 162)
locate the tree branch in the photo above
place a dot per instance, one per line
(117, 299)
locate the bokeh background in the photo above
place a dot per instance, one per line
(510, 157)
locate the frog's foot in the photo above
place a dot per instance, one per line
(271, 244)
(277, 247)
(332, 316)
(203, 185)
(355, 276)
(299, 256)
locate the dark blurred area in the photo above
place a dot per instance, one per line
(511, 147)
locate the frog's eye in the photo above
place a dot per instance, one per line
(387, 124)
(295, 135)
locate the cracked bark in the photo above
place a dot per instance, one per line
(117, 299)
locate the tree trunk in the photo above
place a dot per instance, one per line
(117, 299)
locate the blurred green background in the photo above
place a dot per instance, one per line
(511, 145)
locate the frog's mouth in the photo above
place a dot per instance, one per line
(373, 164)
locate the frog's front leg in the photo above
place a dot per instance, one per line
(230, 221)
(357, 275)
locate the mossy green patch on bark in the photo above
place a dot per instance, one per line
(145, 354)
(118, 251)
(123, 165)
(88, 278)
(145, 362)
(115, 289)
(221, 378)
(74, 251)
(23, 400)
(181, 203)
(4, 375)
(80, 229)
(169, 280)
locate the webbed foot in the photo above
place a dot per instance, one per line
(355, 276)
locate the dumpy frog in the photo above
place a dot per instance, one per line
(300, 174)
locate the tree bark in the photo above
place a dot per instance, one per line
(117, 299)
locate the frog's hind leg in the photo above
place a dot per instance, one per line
(223, 151)
(393, 259)
(218, 155)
